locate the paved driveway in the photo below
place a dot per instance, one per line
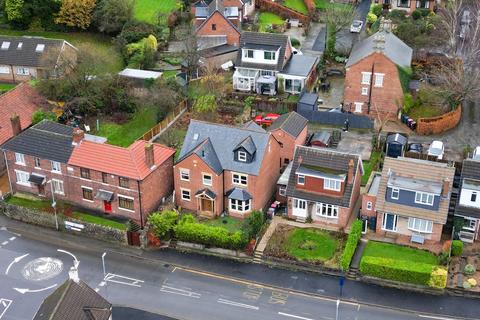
(346, 39)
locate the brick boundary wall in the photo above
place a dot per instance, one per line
(46, 219)
(284, 12)
(436, 125)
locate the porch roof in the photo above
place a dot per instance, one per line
(267, 79)
(238, 194)
(36, 179)
(104, 195)
(206, 192)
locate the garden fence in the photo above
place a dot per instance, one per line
(163, 125)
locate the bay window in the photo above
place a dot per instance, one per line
(326, 210)
(420, 225)
(239, 205)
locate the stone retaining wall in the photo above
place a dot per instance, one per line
(210, 250)
(436, 125)
(46, 219)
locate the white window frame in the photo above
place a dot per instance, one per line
(358, 107)
(35, 160)
(282, 191)
(420, 195)
(239, 205)
(184, 195)
(379, 77)
(273, 55)
(58, 186)
(468, 224)
(20, 158)
(54, 166)
(366, 76)
(239, 179)
(332, 184)
(22, 182)
(246, 53)
(128, 198)
(207, 182)
(299, 204)
(395, 221)
(369, 205)
(397, 192)
(301, 177)
(183, 173)
(242, 156)
(420, 225)
(88, 188)
(473, 193)
(364, 91)
(22, 71)
(326, 210)
(4, 70)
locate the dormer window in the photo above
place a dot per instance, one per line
(269, 55)
(242, 156)
(301, 179)
(395, 193)
(331, 184)
(248, 54)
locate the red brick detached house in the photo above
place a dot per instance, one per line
(324, 186)
(128, 182)
(226, 169)
(407, 5)
(290, 130)
(372, 80)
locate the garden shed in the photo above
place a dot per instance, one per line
(321, 139)
(307, 102)
(395, 145)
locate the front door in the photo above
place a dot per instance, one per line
(207, 205)
(41, 190)
(107, 206)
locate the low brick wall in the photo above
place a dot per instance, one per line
(46, 219)
(436, 125)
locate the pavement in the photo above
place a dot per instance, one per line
(192, 286)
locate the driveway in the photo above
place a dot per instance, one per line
(346, 39)
(314, 44)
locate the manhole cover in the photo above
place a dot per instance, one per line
(42, 269)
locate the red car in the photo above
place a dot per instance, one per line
(266, 120)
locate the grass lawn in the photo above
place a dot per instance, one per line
(228, 223)
(7, 86)
(147, 10)
(370, 165)
(98, 220)
(125, 134)
(297, 5)
(323, 4)
(29, 203)
(169, 74)
(269, 18)
(424, 111)
(396, 252)
(101, 43)
(311, 245)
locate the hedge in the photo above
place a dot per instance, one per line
(351, 246)
(404, 271)
(457, 248)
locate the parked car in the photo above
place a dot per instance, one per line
(415, 147)
(356, 26)
(266, 120)
(436, 149)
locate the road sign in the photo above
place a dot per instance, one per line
(341, 281)
(4, 304)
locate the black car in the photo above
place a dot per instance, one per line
(415, 147)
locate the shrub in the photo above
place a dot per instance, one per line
(438, 278)
(295, 42)
(163, 223)
(457, 248)
(469, 269)
(371, 18)
(376, 9)
(397, 14)
(443, 258)
(209, 235)
(253, 224)
(472, 282)
(467, 285)
(351, 246)
(42, 115)
(416, 14)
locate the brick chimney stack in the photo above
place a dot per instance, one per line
(16, 125)
(149, 155)
(445, 187)
(351, 164)
(78, 136)
(379, 43)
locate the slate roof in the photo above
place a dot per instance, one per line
(238, 194)
(74, 301)
(328, 159)
(395, 49)
(215, 144)
(45, 140)
(300, 65)
(217, 50)
(23, 101)
(26, 55)
(471, 171)
(128, 162)
(397, 138)
(263, 40)
(252, 125)
(292, 123)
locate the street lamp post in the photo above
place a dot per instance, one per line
(103, 264)
(341, 282)
(54, 204)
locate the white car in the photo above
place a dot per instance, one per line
(356, 26)
(436, 149)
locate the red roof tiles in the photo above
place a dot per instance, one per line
(126, 162)
(23, 100)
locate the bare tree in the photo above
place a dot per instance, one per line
(337, 18)
(191, 53)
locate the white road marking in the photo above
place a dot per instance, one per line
(115, 278)
(101, 284)
(4, 305)
(434, 317)
(293, 316)
(12, 238)
(23, 291)
(181, 292)
(97, 289)
(4, 243)
(17, 259)
(237, 304)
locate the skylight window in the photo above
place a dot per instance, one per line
(19, 46)
(40, 47)
(5, 45)
(195, 136)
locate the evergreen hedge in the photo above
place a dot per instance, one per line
(351, 246)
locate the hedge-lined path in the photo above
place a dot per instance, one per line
(357, 257)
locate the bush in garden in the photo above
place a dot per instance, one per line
(163, 223)
(295, 42)
(376, 9)
(469, 269)
(472, 282)
(443, 258)
(253, 224)
(351, 246)
(371, 18)
(457, 248)
(438, 278)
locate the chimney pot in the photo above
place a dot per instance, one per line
(446, 187)
(16, 125)
(149, 155)
(351, 164)
(78, 136)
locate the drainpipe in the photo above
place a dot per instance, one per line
(8, 171)
(13, 73)
(370, 89)
(140, 204)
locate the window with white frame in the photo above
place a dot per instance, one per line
(56, 166)
(395, 193)
(379, 79)
(37, 162)
(424, 198)
(364, 91)
(207, 179)
(4, 70)
(469, 224)
(240, 179)
(299, 204)
(242, 156)
(301, 179)
(22, 178)
(58, 186)
(23, 71)
(269, 55)
(87, 193)
(185, 194)
(248, 53)
(239, 205)
(326, 210)
(420, 225)
(358, 106)
(125, 203)
(366, 77)
(389, 222)
(185, 174)
(369, 205)
(19, 158)
(282, 191)
(332, 184)
(473, 197)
